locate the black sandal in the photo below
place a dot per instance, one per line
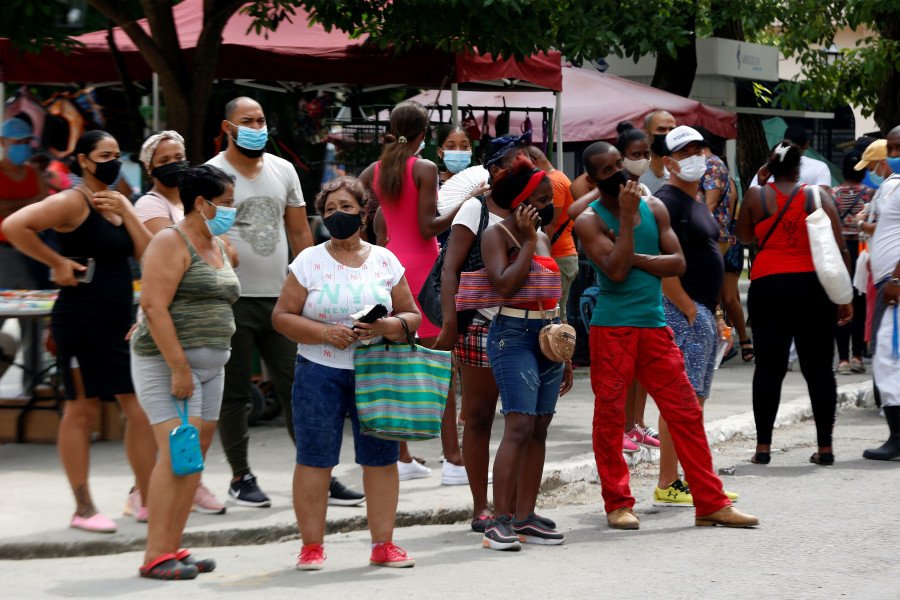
(168, 567)
(204, 565)
(761, 458)
(747, 350)
(825, 458)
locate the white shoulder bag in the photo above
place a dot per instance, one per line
(830, 267)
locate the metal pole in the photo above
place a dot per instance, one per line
(559, 130)
(454, 95)
(155, 102)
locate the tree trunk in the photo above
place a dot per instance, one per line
(752, 147)
(135, 120)
(887, 109)
(676, 75)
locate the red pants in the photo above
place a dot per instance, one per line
(620, 354)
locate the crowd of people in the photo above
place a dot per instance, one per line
(656, 214)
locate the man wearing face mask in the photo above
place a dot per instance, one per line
(268, 200)
(630, 242)
(884, 264)
(691, 301)
(20, 185)
(657, 124)
(560, 227)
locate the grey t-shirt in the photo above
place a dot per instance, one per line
(653, 182)
(258, 231)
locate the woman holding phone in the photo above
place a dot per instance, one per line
(90, 319)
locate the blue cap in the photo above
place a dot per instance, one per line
(16, 129)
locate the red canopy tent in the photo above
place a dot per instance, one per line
(296, 52)
(593, 103)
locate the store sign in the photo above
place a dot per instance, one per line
(731, 58)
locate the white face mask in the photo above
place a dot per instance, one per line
(637, 167)
(692, 168)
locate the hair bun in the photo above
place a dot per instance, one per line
(624, 126)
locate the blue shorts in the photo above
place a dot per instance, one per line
(321, 398)
(697, 343)
(528, 381)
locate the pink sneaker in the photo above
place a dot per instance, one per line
(629, 446)
(206, 502)
(642, 437)
(312, 558)
(389, 555)
(96, 523)
(133, 506)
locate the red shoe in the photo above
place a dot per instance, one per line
(312, 558)
(389, 555)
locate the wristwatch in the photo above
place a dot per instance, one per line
(895, 281)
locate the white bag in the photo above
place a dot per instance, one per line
(861, 277)
(830, 267)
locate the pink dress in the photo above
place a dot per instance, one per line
(416, 254)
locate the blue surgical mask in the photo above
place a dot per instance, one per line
(19, 153)
(894, 164)
(251, 139)
(457, 160)
(876, 179)
(421, 147)
(223, 220)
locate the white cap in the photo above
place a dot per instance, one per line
(681, 136)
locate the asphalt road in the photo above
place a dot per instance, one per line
(825, 532)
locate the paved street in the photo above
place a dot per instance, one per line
(825, 532)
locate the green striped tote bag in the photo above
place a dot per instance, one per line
(401, 390)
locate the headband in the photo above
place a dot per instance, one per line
(153, 142)
(509, 142)
(537, 176)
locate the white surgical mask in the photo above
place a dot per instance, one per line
(692, 168)
(637, 167)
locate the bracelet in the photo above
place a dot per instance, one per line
(179, 368)
(719, 313)
(323, 334)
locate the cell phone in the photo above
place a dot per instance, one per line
(538, 223)
(81, 276)
(378, 311)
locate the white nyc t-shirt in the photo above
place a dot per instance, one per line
(258, 231)
(335, 291)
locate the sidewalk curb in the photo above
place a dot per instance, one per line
(577, 468)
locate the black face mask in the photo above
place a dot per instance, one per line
(610, 185)
(107, 172)
(342, 225)
(545, 215)
(659, 145)
(170, 174)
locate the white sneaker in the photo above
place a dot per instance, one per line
(412, 470)
(453, 474)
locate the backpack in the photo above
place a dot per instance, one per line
(587, 303)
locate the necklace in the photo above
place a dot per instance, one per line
(356, 256)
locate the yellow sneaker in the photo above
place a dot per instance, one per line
(677, 494)
(731, 495)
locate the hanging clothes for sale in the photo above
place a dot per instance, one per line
(501, 125)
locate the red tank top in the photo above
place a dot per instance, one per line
(10, 189)
(787, 249)
(547, 303)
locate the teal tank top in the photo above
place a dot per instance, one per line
(637, 301)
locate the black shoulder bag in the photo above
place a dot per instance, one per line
(430, 294)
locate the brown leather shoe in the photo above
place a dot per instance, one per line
(727, 517)
(623, 518)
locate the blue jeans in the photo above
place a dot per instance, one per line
(698, 343)
(322, 397)
(528, 381)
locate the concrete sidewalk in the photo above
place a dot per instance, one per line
(36, 505)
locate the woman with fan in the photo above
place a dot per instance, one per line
(529, 382)
(406, 189)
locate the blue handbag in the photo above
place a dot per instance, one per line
(184, 445)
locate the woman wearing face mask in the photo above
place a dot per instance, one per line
(179, 351)
(783, 282)
(529, 382)
(314, 310)
(90, 319)
(455, 150)
(406, 189)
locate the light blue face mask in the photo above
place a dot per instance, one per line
(894, 164)
(223, 220)
(251, 139)
(457, 160)
(19, 153)
(876, 179)
(421, 147)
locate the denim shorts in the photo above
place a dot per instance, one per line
(153, 384)
(322, 397)
(698, 343)
(528, 381)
